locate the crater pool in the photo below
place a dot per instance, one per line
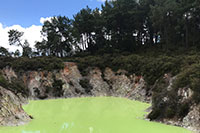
(90, 115)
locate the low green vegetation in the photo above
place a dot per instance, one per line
(57, 87)
(32, 64)
(15, 85)
(85, 83)
(190, 77)
(151, 66)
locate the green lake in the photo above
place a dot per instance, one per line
(90, 115)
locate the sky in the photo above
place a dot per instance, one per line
(29, 15)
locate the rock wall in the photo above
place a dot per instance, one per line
(183, 95)
(11, 111)
(192, 120)
(95, 83)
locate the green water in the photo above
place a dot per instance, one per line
(89, 115)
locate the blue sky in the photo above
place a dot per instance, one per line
(29, 12)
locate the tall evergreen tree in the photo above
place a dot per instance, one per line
(15, 38)
(84, 25)
(58, 37)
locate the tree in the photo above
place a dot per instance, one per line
(176, 21)
(121, 23)
(164, 16)
(15, 38)
(17, 53)
(98, 35)
(195, 29)
(4, 52)
(187, 12)
(27, 51)
(42, 48)
(58, 39)
(84, 25)
(145, 23)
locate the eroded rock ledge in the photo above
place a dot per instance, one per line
(70, 83)
(11, 111)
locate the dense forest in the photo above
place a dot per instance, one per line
(145, 37)
(119, 26)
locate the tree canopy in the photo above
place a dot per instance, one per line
(120, 25)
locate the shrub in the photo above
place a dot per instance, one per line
(16, 85)
(3, 82)
(170, 112)
(32, 64)
(58, 87)
(154, 114)
(37, 63)
(183, 109)
(5, 61)
(190, 77)
(86, 85)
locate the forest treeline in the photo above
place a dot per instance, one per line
(119, 26)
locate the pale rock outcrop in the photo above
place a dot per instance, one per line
(192, 120)
(99, 86)
(103, 83)
(11, 111)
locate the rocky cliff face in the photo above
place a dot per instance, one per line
(70, 83)
(192, 120)
(182, 97)
(11, 111)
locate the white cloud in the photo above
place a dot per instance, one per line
(31, 33)
(101, 0)
(104, 0)
(42, 19)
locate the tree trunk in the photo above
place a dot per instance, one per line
(186, 35)
(166, 37)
